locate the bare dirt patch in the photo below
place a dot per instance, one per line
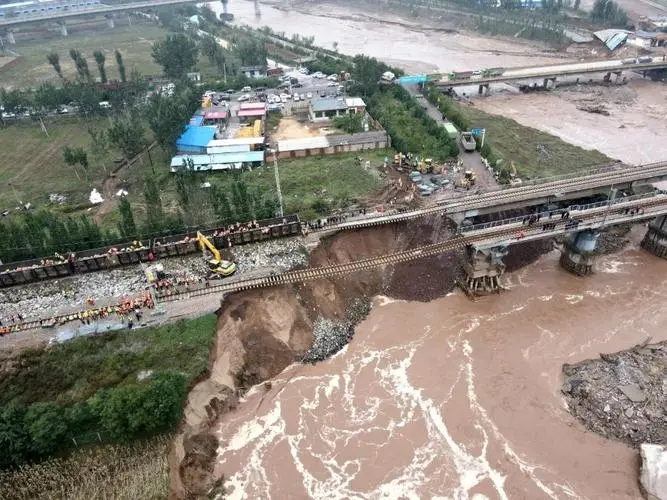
(291, 128)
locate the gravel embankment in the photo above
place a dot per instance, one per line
(621, 395)
(331, 336)
(58, 296)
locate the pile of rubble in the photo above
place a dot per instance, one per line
(64, 295)
(622, 395)
(331, 336)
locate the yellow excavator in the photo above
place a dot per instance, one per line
(469, 178)
(218, 267)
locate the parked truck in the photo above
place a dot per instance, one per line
(491, 72)
(468, 141)
(460, 75)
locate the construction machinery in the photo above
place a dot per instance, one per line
(155, 273)
(468, 180)
(218, 267)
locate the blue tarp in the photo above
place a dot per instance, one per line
(412, 79)
(195, 138)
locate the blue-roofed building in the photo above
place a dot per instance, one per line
(197, 120)
(220, 161)
(195, 139)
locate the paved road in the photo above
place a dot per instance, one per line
(471, 161)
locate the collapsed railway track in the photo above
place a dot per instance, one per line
(337, 270)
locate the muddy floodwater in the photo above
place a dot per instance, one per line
(453, 399)
(413, 48)
(634, 130)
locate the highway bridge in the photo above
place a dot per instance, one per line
(551, 72)
(93, 10)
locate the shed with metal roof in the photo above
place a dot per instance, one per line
(222, 161)
(195, 139)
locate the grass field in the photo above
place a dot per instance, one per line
(335, 179)
(535, 153)
(134, 42)
(32, 165)
(74, 371)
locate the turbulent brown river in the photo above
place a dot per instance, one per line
(451, 399)
(454, 399)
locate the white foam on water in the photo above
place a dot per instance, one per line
(573, 299)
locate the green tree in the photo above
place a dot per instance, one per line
(241, 200)
(126, 225)
(46, 427)
(126, 132)
(155, 218)
(99, 60)
(54, 60)
(121, 65)
(221, 205)
(351, 123)
(251, 52)
(177, 54)
(167, 116)
(81, 65)
(74, 157)
(141, 408)
(14, 437)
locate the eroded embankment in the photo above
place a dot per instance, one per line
(261, 332)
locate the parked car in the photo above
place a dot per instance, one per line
(104, 104)
(247, 88)
(297, 85)
(309, 95)
(296, 98)
(244, 97)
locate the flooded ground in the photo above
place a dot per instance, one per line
(633, 131)
(453, 399)
(413, 47)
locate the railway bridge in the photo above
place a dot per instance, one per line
(487, 244)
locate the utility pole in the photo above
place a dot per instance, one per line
(275, 169)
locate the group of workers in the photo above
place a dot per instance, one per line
(124, 311)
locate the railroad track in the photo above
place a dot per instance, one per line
(302, 275)
(511, 195)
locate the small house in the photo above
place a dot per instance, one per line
(253, 71)
(643, 39)
(323, 109)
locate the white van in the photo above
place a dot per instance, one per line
(246, 89)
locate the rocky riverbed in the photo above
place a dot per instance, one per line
(622, 395)
(57, 296)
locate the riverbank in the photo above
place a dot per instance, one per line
(460, 397)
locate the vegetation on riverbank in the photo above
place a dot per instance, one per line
(534, 153)
(113, 387)
(136, 471)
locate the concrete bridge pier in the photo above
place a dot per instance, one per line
(10, 38)
(483, 88)
(578, 253)
(655, 240)
(110, 22)
(63, 29)
(484, 267)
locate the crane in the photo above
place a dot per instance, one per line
(217, 265)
